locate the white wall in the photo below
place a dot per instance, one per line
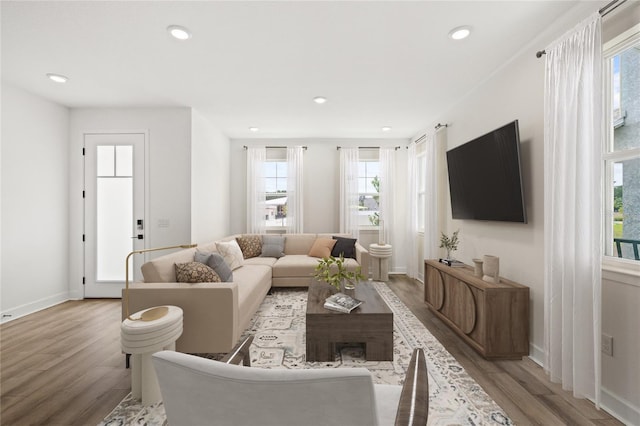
(321, 186)
(35, 203)
(169, 131)
(515, 91)
(210, 181)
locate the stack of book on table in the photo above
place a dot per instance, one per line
(341, 302)
(453, 263)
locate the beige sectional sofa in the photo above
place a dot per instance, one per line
(215, 314)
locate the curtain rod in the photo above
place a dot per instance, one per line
(423, 137)
(369, 147)
(607, 9)
(275, 147)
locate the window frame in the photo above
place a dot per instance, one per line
(275, 155)
(610, 262)
(369, 160)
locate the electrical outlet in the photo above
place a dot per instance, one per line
(607, 345)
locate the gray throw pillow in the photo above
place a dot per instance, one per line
(272, 246)
(217, 263)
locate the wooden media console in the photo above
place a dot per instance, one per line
(492, 318)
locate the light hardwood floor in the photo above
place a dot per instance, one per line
(63, 366)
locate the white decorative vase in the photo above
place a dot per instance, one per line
(477, 268)
(491, 268)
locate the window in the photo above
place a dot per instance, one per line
(421, 185)
(369, 188)
(275, 175)
(622, 150)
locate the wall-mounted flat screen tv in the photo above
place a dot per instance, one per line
(485, 180)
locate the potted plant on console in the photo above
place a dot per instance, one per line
(449, 244)
(337, 275)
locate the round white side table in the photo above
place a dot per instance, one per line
(380, 254)
(143, 338)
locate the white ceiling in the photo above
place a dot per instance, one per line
(261, 63)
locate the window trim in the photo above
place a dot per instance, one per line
(613, 267)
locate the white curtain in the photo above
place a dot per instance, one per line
(349, 200)
(387, 160)
(256, 197)
(422, 174)
(295, 194)
(572, 209)
(431, 232)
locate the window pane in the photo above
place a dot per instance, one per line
(114, 226)
(270, 169)
(281, 169)
(105, 160)
(626, 99)
(281, 184)
(276, 210)
(373, 168)
(124, 160)
(270, 185)
(626, 208)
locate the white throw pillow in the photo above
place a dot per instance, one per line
(230, 251)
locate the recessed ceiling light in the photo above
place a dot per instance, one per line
(319, 99)
(460, 32)
(254, 129)
(386, 129)
(178, 32)
(58, 78)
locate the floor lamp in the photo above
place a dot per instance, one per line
(158, 311)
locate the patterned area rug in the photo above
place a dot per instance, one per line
(279, 329)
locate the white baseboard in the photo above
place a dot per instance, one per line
(31, 307)
(620, 408)
(613, 404)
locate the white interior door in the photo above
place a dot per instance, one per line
(114, 201)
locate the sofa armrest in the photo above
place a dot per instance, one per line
(413, 408)
(362, 256)
(210, 312)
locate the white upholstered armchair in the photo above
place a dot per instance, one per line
(198, 391)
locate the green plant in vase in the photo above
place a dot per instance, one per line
(335, 275)
(449, 244)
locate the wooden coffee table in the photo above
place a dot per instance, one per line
(370, 323)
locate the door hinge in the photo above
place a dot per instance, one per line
(83, 194)
(83, 238)
(84, 280)
(83, 151)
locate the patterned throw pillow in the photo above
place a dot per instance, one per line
(251, 245)
(230, 251)
(195, 272)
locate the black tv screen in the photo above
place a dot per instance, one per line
(485, 180)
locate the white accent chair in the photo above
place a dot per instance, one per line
(198, 391)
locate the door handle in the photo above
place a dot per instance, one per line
(138, 237)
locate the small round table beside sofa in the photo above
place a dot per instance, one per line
(380, 254)
(141, 339)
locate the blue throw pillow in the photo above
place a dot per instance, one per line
(217, 263)
(272, 246)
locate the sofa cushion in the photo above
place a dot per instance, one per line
(272, 246)
(231, 253)
(265, 261)
(344, 246)
(250, 245)
(298, 243)
(162, 269)
(322, 247)
(216, 262)
(295, 265)
(195, 272)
